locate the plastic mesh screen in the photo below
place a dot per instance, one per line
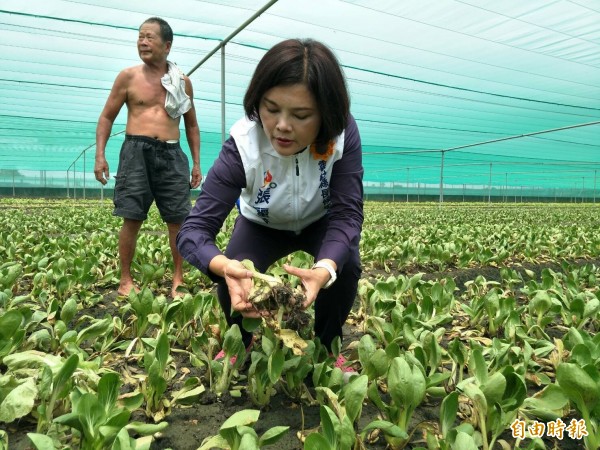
(427, 78)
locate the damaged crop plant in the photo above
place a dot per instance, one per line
(469, 331)
(277, 301)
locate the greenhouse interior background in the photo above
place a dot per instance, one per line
(478, 100)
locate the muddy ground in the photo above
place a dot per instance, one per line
(189, 426)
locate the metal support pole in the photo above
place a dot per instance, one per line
(14, 183)
(595, 173)
(232, 35)
(490, 186)
(222, 94)
(84, 175)
(407, 181)
(518, 136)
(442, 179)
(68, 182)
(521, 194)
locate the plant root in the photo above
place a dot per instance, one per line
(283, 296)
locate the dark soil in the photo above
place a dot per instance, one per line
(189, 426)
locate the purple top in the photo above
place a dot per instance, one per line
(226, 179)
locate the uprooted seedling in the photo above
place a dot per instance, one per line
(276, 299)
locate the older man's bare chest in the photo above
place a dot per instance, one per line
(145, 91)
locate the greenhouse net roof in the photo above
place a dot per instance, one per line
(480, 94)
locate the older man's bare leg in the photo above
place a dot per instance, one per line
(127, 243)
(177, 259)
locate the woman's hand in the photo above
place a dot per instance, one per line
(312, 281)
(239, 283)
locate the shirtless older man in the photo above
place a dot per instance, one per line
(152, 165)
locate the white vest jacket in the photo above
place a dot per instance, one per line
(282, 192)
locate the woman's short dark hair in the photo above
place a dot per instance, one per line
(307, 62)
(166, 32)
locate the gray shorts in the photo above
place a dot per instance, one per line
(152, 170)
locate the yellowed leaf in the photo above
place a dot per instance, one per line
(292, 340)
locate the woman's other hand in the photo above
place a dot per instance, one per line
(312, 281)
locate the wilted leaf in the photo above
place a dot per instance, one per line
(19, 401)
(292, 340)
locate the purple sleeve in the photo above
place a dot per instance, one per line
(346, 189)
(220, 190)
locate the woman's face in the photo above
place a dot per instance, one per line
(290, 118)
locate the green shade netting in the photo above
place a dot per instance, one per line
(427, 78)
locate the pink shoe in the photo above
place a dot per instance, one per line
(221, 355)
(342, 363)
(347, 371)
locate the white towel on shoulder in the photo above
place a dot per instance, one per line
(177, 101)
